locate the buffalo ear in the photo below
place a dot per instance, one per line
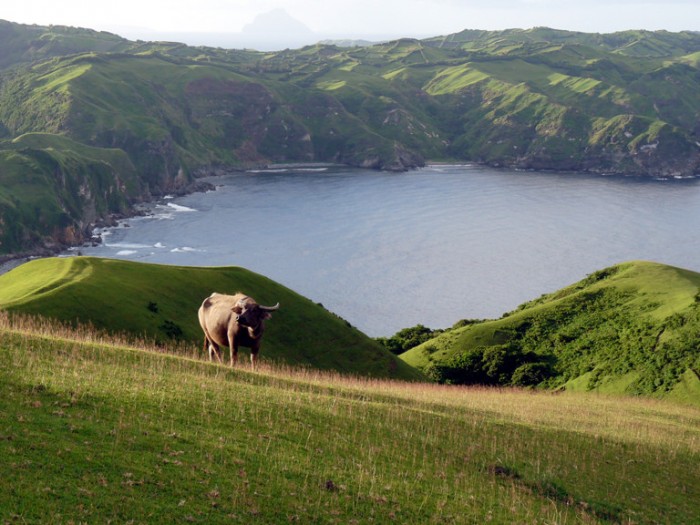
(267, 315)
(237, 309)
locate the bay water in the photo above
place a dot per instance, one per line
(390, 250)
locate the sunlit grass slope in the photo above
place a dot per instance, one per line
(101, 433)
(161, 302)
(633, 328)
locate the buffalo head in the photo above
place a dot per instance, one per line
(250, 314)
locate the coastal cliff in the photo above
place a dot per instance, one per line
(92, 124)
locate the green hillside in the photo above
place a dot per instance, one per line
(97, 433)
(632, 328)
(622, 103)
(22, 43)
(161, 302)
(52, 189)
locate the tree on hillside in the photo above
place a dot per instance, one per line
(407, 338)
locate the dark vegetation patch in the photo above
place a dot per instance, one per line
(171, 329)
(407, 338)
(555, 491)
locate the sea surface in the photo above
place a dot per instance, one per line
(432, 246)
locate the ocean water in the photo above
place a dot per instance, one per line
(386, 251)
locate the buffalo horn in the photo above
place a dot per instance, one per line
(270, 308)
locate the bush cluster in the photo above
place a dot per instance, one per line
(503, 364)
(604, 332)
(407, 338)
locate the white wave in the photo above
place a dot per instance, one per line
(271, 170)
(159, 245)
(161, 215)
(311, 170)
(184, 249)
(449, 166)
(127, 252)
(180, 208)
(127, 245)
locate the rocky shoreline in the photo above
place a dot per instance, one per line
(81, 237)
(88, 234)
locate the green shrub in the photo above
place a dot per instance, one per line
(407, 338)
(531, 374)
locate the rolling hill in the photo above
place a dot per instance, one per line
(632, 328)
(96, 431)
(160, 303)
(622, 103)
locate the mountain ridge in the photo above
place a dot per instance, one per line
(538, 99)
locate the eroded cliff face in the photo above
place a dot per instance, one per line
(402, 159)
(623, 145)
(659, 160)
(246, 120)
(57, 189)
(257, 126)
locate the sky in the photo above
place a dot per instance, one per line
(206, 22)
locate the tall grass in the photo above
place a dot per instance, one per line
(97, 429)
(161, 301)
(38, 326)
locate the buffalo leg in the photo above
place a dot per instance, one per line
(214, 349)
(234, 354)
(209, 348)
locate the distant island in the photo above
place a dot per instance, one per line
(92, 123)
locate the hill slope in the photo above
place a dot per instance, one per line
(52, 189)
(633, 327)
(97, 433)
(533, 99)
(161, 302)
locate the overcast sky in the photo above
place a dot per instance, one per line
(147, 19)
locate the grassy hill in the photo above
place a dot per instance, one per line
(632, 328)
(102, 432)
(160, 303)
(532, 99)
(53, 188)
(23, 43)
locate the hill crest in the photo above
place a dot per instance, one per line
(160, 302)
(628, 328)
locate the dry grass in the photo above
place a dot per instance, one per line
(99, 421)
(624, 418)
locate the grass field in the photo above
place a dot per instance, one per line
(93, 431)
(160, 303)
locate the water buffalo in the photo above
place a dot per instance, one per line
(233, 321)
